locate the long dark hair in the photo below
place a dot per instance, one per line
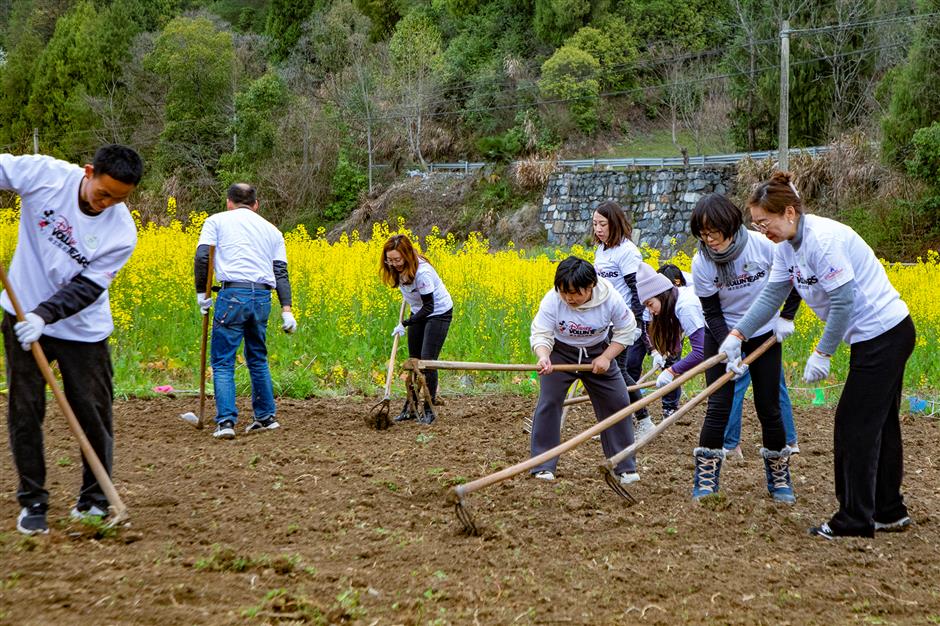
(665, 331)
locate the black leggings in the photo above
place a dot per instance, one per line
(425, 340)
(765, 378)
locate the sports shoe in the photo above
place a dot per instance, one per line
(225, 430)
(268, 423)
(628, 478)
(823, 531)
(895, 526)
(84, 510)
(794, 448)
(734, 454)
(545, 475)
(643, 428)
(32, 520)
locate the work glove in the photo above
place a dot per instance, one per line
(289, 324)
(817, 367)
(399, 330)
(731, 346)
(783, 328)
(665, 377)
(29, 330)
(659, 361)
(204, 302)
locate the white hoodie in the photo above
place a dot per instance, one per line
(585, 325)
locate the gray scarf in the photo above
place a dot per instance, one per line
(724, 261)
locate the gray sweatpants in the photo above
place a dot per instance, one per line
(608, 395)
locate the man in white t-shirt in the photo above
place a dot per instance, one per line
(250, 261)
(75, 234)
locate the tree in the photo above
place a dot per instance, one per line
(614, 47)
(416, 60)
(571, 75)
(557, 19)
(283, 25)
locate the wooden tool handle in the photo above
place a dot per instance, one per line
(205, 341)
(391, 359)
(500, 367)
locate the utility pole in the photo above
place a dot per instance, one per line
(35, 141)
(783, 140)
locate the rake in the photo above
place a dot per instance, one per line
(607, 468)
(378, 415)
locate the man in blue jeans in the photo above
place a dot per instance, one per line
(250, 261)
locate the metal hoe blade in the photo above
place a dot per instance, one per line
(465, 519)
(614, 483)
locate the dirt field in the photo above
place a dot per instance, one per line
(326, 521)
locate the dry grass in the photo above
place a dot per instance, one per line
(532, 172)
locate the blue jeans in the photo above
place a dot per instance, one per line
(733, 429)
(241, 314)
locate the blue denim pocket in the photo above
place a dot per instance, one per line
(230, 309)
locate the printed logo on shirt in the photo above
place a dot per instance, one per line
(576, 330)
(61, 236)
(609, 273)
(832, 273)
(741, 280)
(801, 280)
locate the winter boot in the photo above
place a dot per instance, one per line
(407, 413)
(707, 470)
(777, 470)
(427, 416)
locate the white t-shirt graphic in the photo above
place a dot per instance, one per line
(616, 263)
(831, 255)
(751, 270)
(426, 281)
(56, 242)
(580, 327)
(246, 246)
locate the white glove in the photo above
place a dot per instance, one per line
(817, 367)
(204, 302)
(29, 330)
(399, 330)
(731, 346)
(783, 328)
(289, 324)
(637, 334)
(665, 377)
(659, 361)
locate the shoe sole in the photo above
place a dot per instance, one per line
(28, 532)
(816, 532)
(894, 527)
(230, 434)
(260, 428)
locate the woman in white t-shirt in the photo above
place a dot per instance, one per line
(728, 270)
(616, 258)
(676, 313)
(572, 326)
(431, 310)
(842, 281)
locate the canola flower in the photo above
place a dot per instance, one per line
(346, 314)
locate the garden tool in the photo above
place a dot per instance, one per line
(189, 417)
(378, 416)
(564, 411)
(607, 468)
(579, 399)
(461, 491)
(498, 367)
(118, 512)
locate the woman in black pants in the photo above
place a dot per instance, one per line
(842, 281)
(431, 311)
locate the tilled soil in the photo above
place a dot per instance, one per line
(326, 521)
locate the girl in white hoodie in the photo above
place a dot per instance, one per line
(572, 326)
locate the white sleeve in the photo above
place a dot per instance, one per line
(424, 280)
(690, 316)
(701, 281)
(780, 270)
(623, 321)
(21, 173)
(103, 269)
(542, 331)
(209, 235)
(280, 249)
(630, 259)
(830, 264)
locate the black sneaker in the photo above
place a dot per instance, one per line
(225, 430)
(32, 520)
(823, 531)
(268, 423)
(896, 526)
(427, 416)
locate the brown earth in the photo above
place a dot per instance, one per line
(327, 521)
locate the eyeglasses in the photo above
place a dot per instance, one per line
(714, 235)
(761, 226)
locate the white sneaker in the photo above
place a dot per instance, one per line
(545, 475)
(643, 428)
(628, 478)
(734, 455)
(895, 526)
(93, 511)
(794, 448)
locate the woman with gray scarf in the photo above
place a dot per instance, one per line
(728, 271)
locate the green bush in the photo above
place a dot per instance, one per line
(925, 162)
(349, 180)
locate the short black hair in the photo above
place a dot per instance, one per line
(673, 273)
(119, 162)
(242, 194)
(574, 274)
(715, 212)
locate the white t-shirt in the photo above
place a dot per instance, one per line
(246, 246)
(831, 255)
(752, 271)
(426, 281)
(56, 242)
(580, 327)
(689, 311)
(615, 264)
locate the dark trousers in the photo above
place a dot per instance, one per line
(608, 395)
(86, 379)
(867, 435)
(765, 378)
(425, 340)
(629, 381)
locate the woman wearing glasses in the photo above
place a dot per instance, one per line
(729, 270)
(841, 279)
